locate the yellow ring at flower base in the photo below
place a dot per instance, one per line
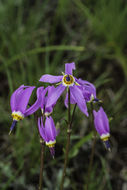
(70, 82)
(17, 115)
(105, 137)
(51, 144)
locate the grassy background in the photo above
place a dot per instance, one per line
(38, 37)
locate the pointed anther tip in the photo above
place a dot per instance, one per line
(10, 132)
(53, 157)
(109, 149)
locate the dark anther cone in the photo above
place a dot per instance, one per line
(12, 126)
(107, 145)
(52, 151)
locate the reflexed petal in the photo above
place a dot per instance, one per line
(23, 98)
(50, 130)
(50, 89)
(69, 67)
(39, 102)
(105, 120)
(79, 99)
(13, 101)
(87, 88)
(98, 122)
(41, 128)
(53, 127)
(51, 78)
(55, 95)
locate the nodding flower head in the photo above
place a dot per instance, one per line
(67, 80)
(47, 111)
(88, 90)
(102, 126)
(19, 102)
(48, 132)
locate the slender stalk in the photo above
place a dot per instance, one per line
(68, 142)
(42, 143)
(92, 151)
(73, 114)
(41, 165)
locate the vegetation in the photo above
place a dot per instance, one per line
(38, 37)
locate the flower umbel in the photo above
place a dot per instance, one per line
(48, 133)
(102, 126)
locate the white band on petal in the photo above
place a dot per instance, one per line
(17, 115)
(105, 137)
(51, 144)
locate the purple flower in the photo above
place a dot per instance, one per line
(48, 133)
(19, 102)
(44, 108)
(88, 89)
(102, 126)
(69, 81)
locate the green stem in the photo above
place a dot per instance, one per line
(42, 153)
(73, 114)
(92, 151)
(68, 142)
(41, 165)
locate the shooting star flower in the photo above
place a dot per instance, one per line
(48, 133)
(19, 102)
(63, 82)
(102, 126)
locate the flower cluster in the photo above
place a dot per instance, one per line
(80, 91)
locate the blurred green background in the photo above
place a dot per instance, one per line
(38, 37)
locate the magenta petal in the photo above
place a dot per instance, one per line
(99, 124)
(39, 102)
(53, 127)
(13, 101)
(50, 129)
(105, 119)
(51, 78)
(55, 95)
(50, 89)
(98, 127)
(101, 121)
(87, 88)
(41, 128)
(79, 99)
(69, 67)
(23, 98)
